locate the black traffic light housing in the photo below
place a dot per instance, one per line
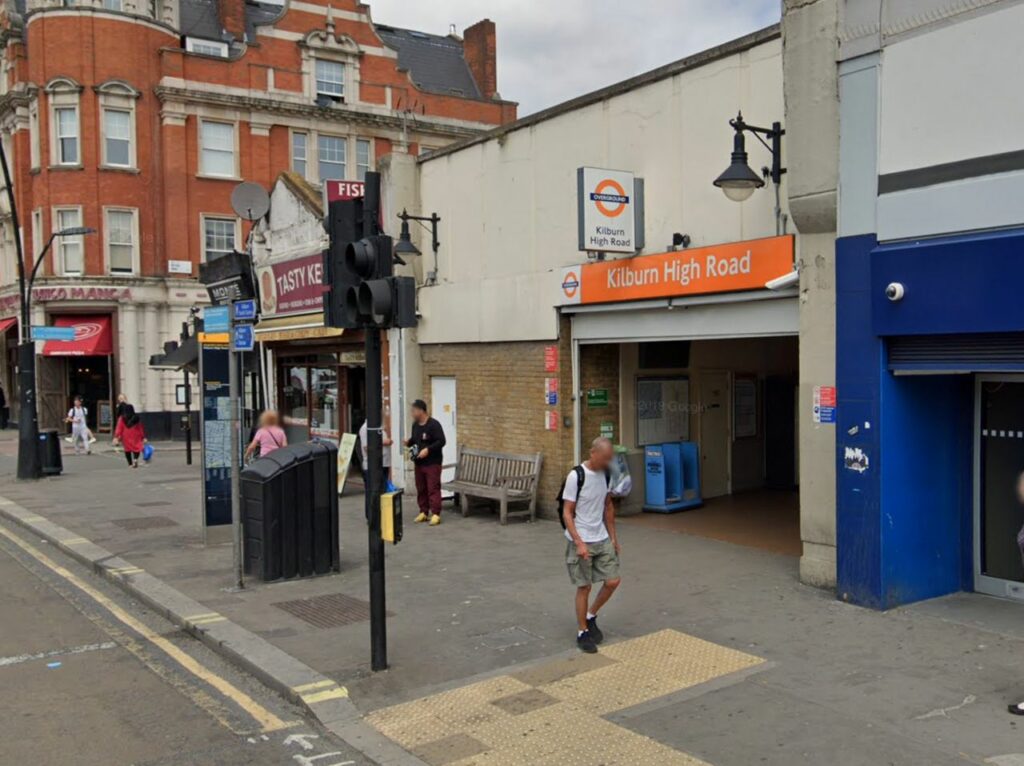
(344, 225)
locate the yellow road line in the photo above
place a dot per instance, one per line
(266, 719)
(315, 685)
(329, 694)
(74, 541)
(208, 620)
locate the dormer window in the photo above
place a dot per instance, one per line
(330, 79)
(330, 67)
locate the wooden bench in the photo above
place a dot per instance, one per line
(496, 476)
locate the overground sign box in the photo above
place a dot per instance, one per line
(610, 210)
(723, 268)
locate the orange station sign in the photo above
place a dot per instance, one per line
(729, 267)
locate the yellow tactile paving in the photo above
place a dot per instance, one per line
(445, 729)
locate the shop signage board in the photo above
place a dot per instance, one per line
(53, 333)
(216, 319)
(346, 446)
(342, 190)
(824, 404)
(294, 286)
(729, 267)
(610, 207)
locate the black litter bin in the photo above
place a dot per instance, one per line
(289, 509)
(49, 453)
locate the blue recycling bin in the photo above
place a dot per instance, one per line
(672, 477)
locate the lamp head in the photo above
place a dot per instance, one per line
(739, 181)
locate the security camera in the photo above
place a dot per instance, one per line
(895, 291)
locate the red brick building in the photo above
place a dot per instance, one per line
(138, 120)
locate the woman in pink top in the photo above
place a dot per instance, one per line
(268, 437)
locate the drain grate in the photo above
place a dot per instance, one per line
(331, 611)
(144, 522)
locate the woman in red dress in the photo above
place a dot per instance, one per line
(130, 434)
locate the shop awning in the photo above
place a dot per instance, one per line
(92, 337)
(7, 324)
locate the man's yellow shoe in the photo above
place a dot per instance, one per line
(421, 518)
(435, 520)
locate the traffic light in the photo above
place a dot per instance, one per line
(344, 225)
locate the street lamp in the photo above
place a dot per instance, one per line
(739, 181)
(404, 246)
(28, 417)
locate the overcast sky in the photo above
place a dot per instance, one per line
(553, 50)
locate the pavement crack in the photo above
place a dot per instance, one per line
(943, 712)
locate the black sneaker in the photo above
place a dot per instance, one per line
(594, 631)
(586, 642)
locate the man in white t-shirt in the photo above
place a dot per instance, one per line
(592, 551)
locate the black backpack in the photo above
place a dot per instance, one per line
(581, 477)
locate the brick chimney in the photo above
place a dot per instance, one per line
(479, 48)
(232, 17)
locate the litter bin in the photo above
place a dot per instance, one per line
(289, 510)
(49, 453)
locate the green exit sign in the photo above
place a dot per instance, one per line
(597, 397)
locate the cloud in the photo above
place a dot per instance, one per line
(553, 50)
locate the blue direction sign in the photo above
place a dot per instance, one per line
(245, 311)
(216, 319)
(53, 333)
(243, 338)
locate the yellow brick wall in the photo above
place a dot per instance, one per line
(599, 369)
(500, 401)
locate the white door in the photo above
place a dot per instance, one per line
(442, 405)
(715, 430)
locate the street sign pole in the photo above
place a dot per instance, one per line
(236, 442)
(375, 486)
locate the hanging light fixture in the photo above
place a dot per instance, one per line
(739, 180)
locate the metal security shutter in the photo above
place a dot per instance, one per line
(989, 352)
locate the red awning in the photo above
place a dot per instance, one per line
(7, 324)
(92, 337)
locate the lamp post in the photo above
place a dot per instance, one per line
(404, 246)
(739, 181)
(28, 417)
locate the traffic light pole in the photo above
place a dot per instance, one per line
(374, 488)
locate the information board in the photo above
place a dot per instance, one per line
(104, 416)
(216, 430)
(662, 410)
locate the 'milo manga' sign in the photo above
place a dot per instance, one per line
(716, 269)
(610, 210)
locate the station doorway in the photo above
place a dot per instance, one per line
(735, 399)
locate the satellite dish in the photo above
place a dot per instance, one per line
(250, 201)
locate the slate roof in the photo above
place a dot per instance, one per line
(435, 62)
(200, 18)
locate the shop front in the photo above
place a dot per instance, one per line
(80, 367)
(690, 347)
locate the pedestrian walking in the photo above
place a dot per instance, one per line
(426, 447)
(268, 437)
(592, 548)
(79, 430)
(130, 433)
(385, 442)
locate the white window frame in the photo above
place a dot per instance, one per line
(325, 45)
(361, 175)
(64, 93)
(60, 244)
(33, 134)
(337, 89)
(60, 137)
(204, 172)
(203, 47)
(38, 235)
(345, 164)
(118, 96)
(204, 218)
(134, 212)
(306, 135)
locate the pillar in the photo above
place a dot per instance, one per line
(151, 318)
(129, 363)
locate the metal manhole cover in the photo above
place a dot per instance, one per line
(331, 611)
(144, 522)
(152, 504)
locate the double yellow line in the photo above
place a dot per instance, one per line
(266, 719)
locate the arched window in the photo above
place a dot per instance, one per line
(117, 124)
(63, 95)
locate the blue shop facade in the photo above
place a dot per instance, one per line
(930, 320)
